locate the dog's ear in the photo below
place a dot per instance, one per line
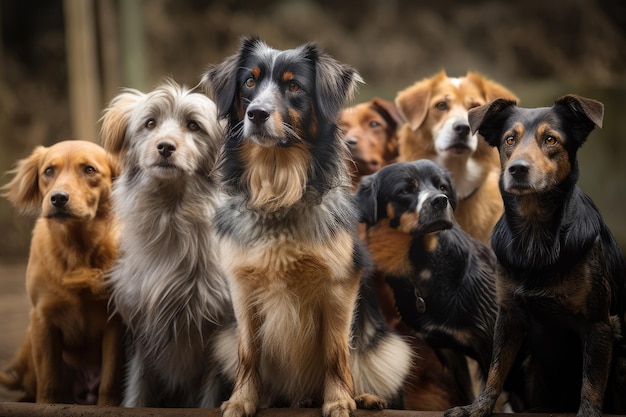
(367, 199)
(487, 119)
(115, 120)
(220, 83)
(413, 101)
(586, 113)
(389, 111)
(491, 90)
(335, 83)
(23, 190)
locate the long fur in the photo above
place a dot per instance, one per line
(288, 234)
(561, 275)
(167, 284)
(72, 351)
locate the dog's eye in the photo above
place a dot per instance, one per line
(550, 141)
(442, 105)
(294, 86)
(150, 123)
(374, 123)
(193, 126)
(89, 170)
(48, 172)
(250, 82)
(510, 140)
(443, 188)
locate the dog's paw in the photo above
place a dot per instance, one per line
(339, 408)
(370, 401)
(466, 411)
(239, 408)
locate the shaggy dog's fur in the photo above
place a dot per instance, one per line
(72, 351)
(288, 233)
(561, 275)
(167, 284)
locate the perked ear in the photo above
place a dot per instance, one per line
(367, 199)
(115, 120)
(586, 112)
(488, 118)
(23, 190)
(335, 82)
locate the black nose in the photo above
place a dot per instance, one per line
(519, 169)
(461, 128)
(439, 202)
(59, 198)
(257, 116)
(166, 148)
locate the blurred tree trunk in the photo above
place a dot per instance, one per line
(133, 45)
(108, 31)
(84, 83)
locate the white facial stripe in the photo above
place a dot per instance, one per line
(423, 196)
(455, 81)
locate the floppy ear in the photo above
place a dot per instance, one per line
(367, 199)
(220, 83)
(389, 111)
(487, 119)
(413, 101)
(23, 190)
(335, 83)
(491, 90)
(586, 113)
(115, 120)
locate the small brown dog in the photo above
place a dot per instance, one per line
(370, 131)
(435, 109)
(72, 351)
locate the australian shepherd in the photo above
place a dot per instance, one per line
(289, 241)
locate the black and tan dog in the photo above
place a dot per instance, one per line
(443, 279)
(288, 233)
(561, 275)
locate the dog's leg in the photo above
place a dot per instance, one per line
(112, 363)
(211, 386)
(47, 349)
(508, 336)
(245, 397)
(136, 391)
(597, 354)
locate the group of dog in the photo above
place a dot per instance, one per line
(249, 243)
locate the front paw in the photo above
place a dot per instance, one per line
(370, 402)
(339, 408)
(238, 408)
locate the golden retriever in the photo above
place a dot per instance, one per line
(437, 128)
(72, 351)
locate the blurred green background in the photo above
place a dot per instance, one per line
(63, 61)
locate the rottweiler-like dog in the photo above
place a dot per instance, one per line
(561, 275)
(443, 280)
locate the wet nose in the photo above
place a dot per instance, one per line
(440, 202)
(257, 115)
(166, 148)
(461, 128)
(59, 199)
(519, 169)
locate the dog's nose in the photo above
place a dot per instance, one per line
(461, 128)
(439, 202)
(166, 148)
(257, 116)
(59, 199)
(519, 169)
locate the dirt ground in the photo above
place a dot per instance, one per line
(14, 307)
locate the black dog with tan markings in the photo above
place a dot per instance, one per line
(561, 275)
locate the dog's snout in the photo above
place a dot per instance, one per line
(461, 128)
(257, 115)
(440, 202)
(59, 199)
(166, 148)
(519, 169)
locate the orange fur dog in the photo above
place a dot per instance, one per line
(72, 351)
(437, 128)
(370, 131)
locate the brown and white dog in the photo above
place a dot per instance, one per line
(370, 131)
(72, 351)
(435, 110)
(288, 237)
(167, 284)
